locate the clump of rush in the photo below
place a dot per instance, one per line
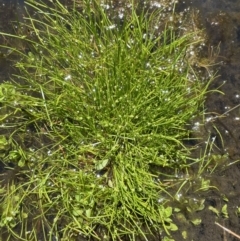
(95, 123)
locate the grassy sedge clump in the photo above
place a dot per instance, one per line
(95, 117)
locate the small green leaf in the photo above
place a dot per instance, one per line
(205, 184)
(13, 155)
(168, 212)
(78, 197)
(181, 218)
(16, 198)
(201, 205)
(168, 239)
(4, 144)
(110, 183)
(224, 211)
(21, 163)
(77, 212)
(24, 215)
(173, 227)
(196, 221)
(101, 164)
(238, 211)
(13, 224)
(225, 199)
(177, 210)
(184, 234)
(88, 212)
(214, 210)
(195, 205)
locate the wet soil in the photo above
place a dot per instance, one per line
(221, 19)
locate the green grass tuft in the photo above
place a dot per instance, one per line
(96, 116)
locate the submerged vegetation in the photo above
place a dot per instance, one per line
(93, 126)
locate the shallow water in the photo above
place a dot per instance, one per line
(222, 22)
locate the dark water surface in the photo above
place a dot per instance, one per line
(221, 19)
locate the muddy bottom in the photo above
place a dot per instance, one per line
(221, 19)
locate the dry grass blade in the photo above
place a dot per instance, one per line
(228, 230)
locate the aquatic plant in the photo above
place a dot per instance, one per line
(95, 121)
